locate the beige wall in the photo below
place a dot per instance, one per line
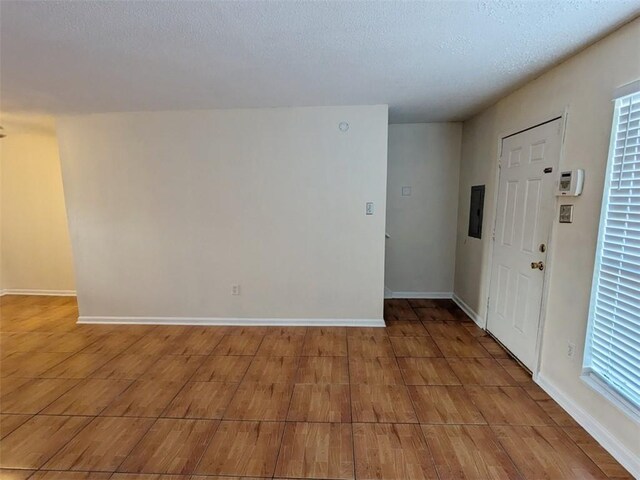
(585, 84)
(169, 209)
(35, 248)
(420, 255)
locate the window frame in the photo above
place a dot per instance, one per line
(590, 377)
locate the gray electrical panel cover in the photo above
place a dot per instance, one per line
(476, 210)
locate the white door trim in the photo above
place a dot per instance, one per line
(564, 116)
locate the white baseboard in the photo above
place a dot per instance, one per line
(609, 442)
(245, 322)
(469, 311)
(46, 293)
(421, 295)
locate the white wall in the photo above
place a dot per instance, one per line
(169, 209)
(420, 255)
(35, 249)
(585, 84)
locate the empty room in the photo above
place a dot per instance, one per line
(320, 239)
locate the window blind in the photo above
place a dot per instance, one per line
(613, 344)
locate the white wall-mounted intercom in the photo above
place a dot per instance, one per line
(570, 183)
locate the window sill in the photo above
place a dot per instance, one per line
(612, 396)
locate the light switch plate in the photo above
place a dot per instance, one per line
(566, 214)
(369, 208)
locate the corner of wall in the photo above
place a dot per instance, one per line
(471, 313)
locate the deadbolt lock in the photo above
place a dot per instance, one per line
(538, 265)
(542, 248)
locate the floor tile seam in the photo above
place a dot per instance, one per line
(204, 450)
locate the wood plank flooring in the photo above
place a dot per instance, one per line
(431, 396)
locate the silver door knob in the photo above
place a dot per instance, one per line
(537, 265)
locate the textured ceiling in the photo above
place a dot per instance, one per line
(430, 61)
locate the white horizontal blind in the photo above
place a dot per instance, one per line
(613, 343)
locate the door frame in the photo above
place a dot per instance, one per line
(563, 115)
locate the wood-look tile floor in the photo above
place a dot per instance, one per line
(431, 396)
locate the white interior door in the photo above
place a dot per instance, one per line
(524, 215)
